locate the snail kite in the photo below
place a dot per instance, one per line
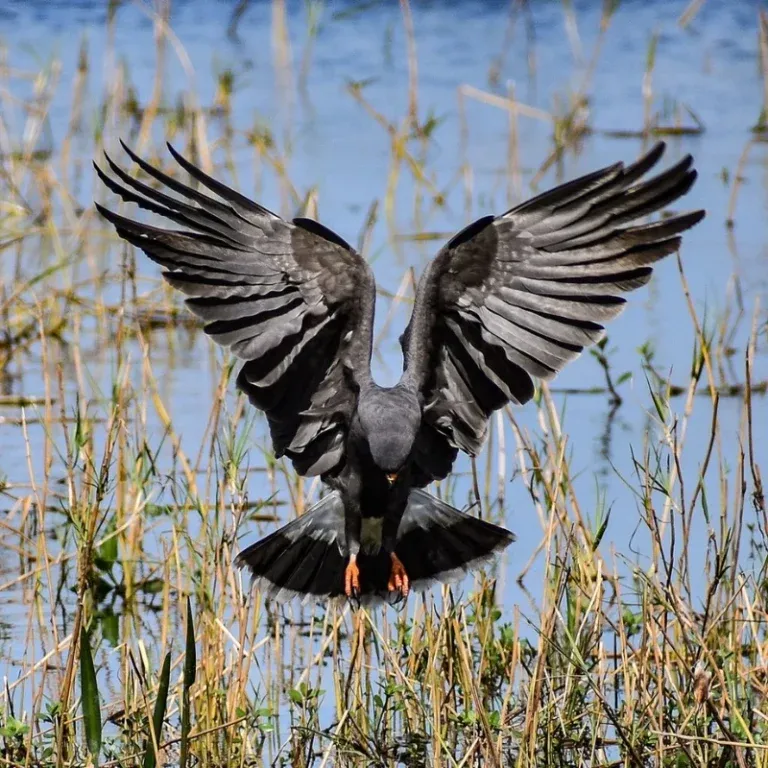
(508, 299)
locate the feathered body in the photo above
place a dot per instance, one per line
(508, 299)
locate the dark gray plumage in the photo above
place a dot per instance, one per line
(436, 543)
(507, 299)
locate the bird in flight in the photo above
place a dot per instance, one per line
(508, 299)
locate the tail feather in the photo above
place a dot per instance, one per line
(321, 572)
(303, 558)
(291, 572)
(436, 543)
(439, 544)
(328, 578)
(305, 575)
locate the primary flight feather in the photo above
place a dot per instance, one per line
(508, 299)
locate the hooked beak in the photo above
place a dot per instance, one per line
(391, 477)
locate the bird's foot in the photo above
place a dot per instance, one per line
(352, 577)
(398, 578)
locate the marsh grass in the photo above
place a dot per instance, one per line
(142, 643)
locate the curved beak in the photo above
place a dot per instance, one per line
(391, 477)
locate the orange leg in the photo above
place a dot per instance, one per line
(352, 577)
(398, 578)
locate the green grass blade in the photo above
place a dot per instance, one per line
(190, 667)
(90, 695)
(150, 756)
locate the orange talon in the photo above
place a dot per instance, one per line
(352, 577)
(398, 578)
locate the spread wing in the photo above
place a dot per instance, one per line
(519, 295)
(292, 299)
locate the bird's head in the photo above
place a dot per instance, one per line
(390, 449)
(390, 420)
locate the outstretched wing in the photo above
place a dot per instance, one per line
(292, 299)
(519, 295)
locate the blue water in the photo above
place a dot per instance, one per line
(330, 144)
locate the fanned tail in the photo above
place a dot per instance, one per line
(436, 543)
